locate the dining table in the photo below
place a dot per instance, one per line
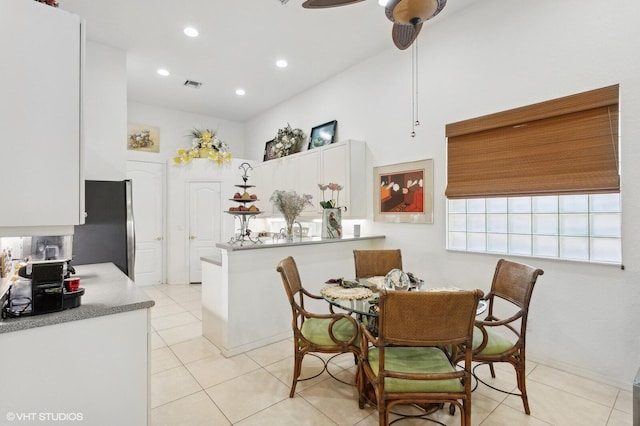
(360, 296)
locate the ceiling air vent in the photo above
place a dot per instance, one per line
(191, 83)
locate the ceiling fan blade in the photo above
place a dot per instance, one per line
(320, 4)
(404, 35)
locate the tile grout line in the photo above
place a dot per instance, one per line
(202, 389)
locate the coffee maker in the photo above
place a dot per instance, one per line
(38, 290)
(47, 287)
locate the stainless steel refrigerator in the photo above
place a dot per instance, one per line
(108, 234)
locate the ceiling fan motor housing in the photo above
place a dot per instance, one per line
(413, 12)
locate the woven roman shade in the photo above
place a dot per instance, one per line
(563, 146)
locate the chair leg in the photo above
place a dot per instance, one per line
(383, 416)
(297, 368)
(466, 414)
(493, 372)
(360, 384)
(520, 375)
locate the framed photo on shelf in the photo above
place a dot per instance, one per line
(403, 192)
(268, 154)
(323, 134)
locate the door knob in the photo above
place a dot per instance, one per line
(158, 238)
(192, 237)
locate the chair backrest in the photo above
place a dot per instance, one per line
(374, 263)
(413, 318)
(514, 282)
(291, 279)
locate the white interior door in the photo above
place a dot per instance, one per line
(148, 212)
(205, 224)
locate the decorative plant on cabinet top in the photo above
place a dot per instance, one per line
(288, 141)
(204, 144)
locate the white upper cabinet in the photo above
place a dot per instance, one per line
(342, 163)
(298, 172)
(40, 82)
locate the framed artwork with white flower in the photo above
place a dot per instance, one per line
(323, 134)
(141, 137)
(403, 192)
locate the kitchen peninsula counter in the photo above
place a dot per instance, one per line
(51, 361)
(269, 242)
(244, 305)
(107, 291)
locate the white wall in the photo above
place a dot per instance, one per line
(493, 56)
(105, 112)
(174, 128)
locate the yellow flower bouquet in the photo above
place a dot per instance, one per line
(204, 144)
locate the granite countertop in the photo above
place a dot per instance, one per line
(107, 291)
(268, 242)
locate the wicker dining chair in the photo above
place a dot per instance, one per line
(376, 263)
(503, 340)
(411, 361)
(312, 332)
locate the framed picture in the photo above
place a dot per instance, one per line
(403, 193)
(141, 137)
(323, 134)
(268, 154)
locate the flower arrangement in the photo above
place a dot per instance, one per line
(286, 142)
(204, 144)
(332, 203)
(141, 139)
(290, 203)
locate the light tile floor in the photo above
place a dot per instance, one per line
(193, 384)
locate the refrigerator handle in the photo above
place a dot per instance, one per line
(131, 231)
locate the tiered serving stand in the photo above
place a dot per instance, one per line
(245, 216)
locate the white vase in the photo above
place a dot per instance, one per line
(331, 223)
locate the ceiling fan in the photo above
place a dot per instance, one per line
(407, 15)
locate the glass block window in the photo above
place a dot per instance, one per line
(571, 227)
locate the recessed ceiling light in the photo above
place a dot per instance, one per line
(163, 72)
(240, 92)
(383, 2)
(281, 63)
(191, 32)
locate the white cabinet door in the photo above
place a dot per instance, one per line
(40, 110)
(303, 173)
(299, 172)
(345, 164)
(262, 176)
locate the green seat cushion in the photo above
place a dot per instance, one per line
(496, 344)
(415, 360)
(316, 330)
